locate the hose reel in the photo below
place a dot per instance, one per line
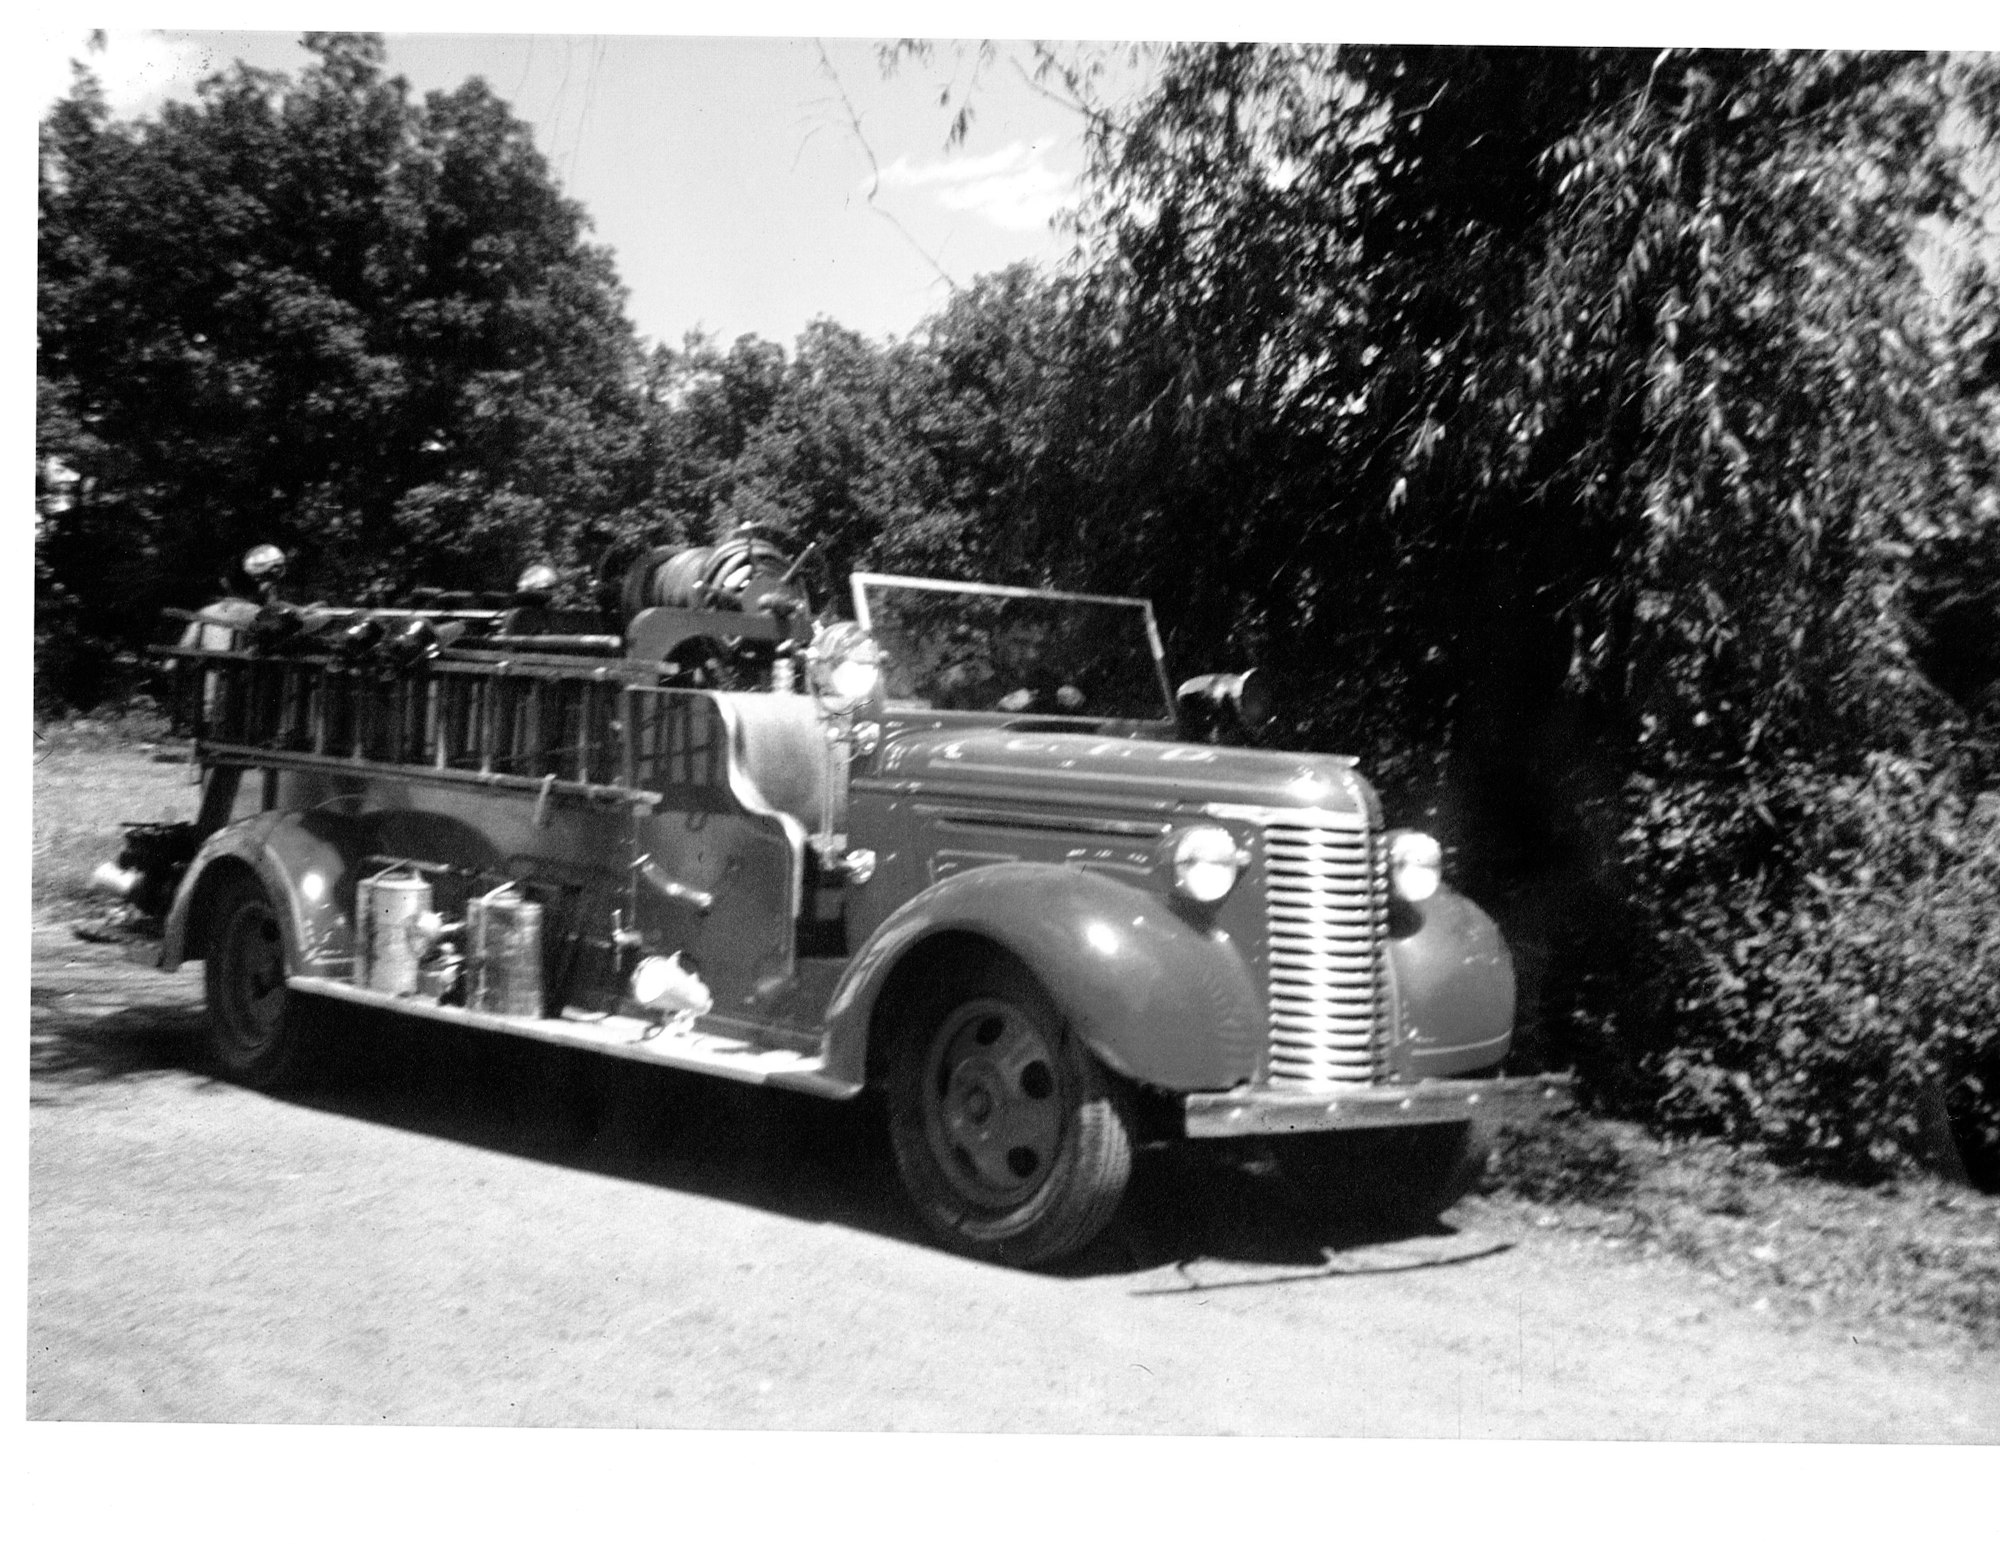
(746, 572)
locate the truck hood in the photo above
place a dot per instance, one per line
(1040, 766)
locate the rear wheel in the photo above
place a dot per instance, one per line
(1013, 1143)
(254, 1035)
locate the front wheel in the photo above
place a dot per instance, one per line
(1013, 1143)
(254, 1035)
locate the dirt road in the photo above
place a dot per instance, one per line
(462, 1230)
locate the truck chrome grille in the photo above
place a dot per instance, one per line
(1326, 921)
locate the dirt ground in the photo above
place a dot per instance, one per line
(455, 1229)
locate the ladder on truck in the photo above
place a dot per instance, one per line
(543, 713)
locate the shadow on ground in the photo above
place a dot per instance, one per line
(92, 1016)
(1217, 1204)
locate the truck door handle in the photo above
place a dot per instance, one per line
(672, 890)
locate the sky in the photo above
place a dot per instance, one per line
(750, 184)
(744, 185)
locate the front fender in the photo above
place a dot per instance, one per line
(306, 862)
(1155, 996)
(1454, 982)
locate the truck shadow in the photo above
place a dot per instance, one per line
(71, 1044)
(1228, 1217)
(1190, 1206)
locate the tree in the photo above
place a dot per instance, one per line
(919, 454)
(914, 454)
(705, 405)
(1583, 415)
(318, 312)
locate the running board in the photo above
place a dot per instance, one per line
(712, 1051)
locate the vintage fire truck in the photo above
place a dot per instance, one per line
(965, 847)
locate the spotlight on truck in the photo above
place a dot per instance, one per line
(1224, 701)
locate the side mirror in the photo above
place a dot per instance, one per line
(1225, 700)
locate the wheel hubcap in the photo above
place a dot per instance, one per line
(993, 1118)
(257, 976)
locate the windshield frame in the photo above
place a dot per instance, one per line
(858, 582)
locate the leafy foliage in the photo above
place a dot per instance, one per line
(321, 313)
(1843, 1011)
(1589, 417)
(1580, 372)
(923, 454)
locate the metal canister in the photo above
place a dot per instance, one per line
(385, 907)
(506, 949)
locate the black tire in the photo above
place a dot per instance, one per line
(1013, 1143)
(1400, 1177)
(254, 1036)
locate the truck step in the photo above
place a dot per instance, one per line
(707, 1047)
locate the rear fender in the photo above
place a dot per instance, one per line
(305, 860)
(1156, 995)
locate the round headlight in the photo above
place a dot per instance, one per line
(1416, 865)
(845, 668)
(1206, 864)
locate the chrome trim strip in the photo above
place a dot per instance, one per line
(1302, 816)
(1091, 826)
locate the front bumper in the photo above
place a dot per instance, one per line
(1264, 1110)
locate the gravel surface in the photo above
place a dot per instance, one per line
(454, 1229)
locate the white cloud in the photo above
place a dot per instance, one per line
(138, 70)
(1013, 188)
(901, 174)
